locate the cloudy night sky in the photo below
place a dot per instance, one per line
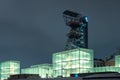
(32, 30)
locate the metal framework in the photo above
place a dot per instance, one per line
(78, 35)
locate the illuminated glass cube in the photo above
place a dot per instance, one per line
(117, 61)
(72, 61)
(8, 68)
(44, 70)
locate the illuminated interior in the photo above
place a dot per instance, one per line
(44, 70)
(105, 69)
(63, 64)
(115, 68)
(72, 61)
(117, 61)
(8, 68)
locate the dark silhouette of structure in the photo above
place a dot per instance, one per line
(78, 35)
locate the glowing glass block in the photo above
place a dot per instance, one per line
(72, 61)
(8, 68)
(44, 70)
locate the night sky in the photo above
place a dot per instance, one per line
(32, 30)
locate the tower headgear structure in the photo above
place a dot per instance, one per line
(78, 35)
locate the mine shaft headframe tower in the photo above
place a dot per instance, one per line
(78, 35)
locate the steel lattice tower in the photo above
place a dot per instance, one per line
(78, 35)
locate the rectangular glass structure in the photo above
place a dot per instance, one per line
(44, 70)
(115, 68)
(72, 61)
(117, 60)
(105, 69)
(8, 68)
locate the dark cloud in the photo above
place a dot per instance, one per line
(31, 30)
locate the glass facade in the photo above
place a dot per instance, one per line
(63, 64)
(105, 69)
(8, 68)
(117, 61)
(72, 61)
(115, 68)
(44, 70)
